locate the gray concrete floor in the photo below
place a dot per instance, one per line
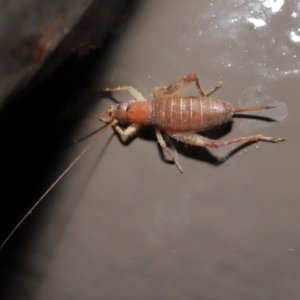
(125, 224)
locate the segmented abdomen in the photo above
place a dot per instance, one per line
(176, 114)
(189, 113)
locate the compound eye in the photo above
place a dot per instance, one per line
(122, 106)
(128, 107)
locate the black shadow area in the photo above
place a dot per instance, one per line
(33, 138)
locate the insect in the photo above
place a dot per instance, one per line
(179, 116)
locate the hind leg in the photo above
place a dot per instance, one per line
(198, 140)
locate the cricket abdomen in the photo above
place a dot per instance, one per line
(178, 114)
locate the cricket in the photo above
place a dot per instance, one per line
(180, 117)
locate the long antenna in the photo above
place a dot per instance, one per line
(73, 163)
(91, 118)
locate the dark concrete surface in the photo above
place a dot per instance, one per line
(124, 223)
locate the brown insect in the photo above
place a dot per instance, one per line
(180, 117)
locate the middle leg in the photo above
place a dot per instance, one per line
(136, 94)
(203, 94)
(175, 89)
(162, 143)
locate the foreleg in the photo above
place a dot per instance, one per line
(136, 94)
(127, 132)
(132, 129)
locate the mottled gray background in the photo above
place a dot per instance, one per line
(124, 223)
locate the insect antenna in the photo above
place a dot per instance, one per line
(92, 118)
(73, 163)
(239, 110)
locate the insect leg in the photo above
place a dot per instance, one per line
(198, 140)
(132, 129)
(253, 138)
(162, 143)
(106, 120)
(129, 131)
(158, 92)
(192, 139)
(203, 94)
(136, 94)
(175, 89)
